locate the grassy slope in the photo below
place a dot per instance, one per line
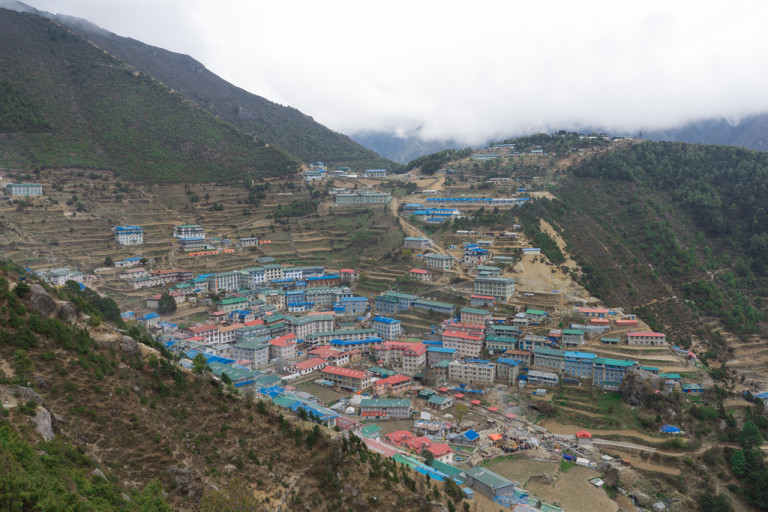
(101, 114)
(282, 127)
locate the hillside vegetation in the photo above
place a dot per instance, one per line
(676, 232)
(135, 432)
(69, 104)
(282, 127)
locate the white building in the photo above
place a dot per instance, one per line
(128, 235)
(189, 231)
(24, 189)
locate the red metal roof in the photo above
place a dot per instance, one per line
(310, 363)
(647, 334)
(345, 372)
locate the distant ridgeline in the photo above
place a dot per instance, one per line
(66, 103)
(653, 220)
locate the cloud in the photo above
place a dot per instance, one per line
(452, 70)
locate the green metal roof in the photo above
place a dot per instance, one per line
(451, 471)
(475, 311)
(438, 400)
(613, 362)
(371, 430)
(385, 402)
(489, 478)
(575, 332)
(538, 312)
(548, 351)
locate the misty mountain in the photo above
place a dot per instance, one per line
(751, 132)
(283, 127)
(402, 149)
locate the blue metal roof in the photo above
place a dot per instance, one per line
(471, 435)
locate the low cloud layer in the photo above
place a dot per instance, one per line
(452, 70)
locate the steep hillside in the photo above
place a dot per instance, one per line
(675, 232)
(751, 132)
(282, 127)
(73, 105)
(135, 432)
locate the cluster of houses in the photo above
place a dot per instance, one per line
(191, 237)
(318, 171)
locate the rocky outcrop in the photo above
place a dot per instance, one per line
(111, 340)
(45, 305)
(43, 423)
(639, 386)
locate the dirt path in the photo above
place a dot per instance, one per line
(569, 430)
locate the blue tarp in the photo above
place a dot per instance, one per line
(471, 435)
(669, 429)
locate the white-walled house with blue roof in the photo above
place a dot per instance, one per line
(387, 328)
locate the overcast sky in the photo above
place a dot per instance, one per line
(468, 70)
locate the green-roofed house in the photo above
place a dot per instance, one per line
(488, 483)
(693, 389)
(439, 403)
(500, 344)
(474, 316)
(385, 408)
(671, 379)
(452, 471)
(535, 316)
(233, 304)
(242, 379)
(573, 338)
(608, 373)
(606, 340)
(371, 431)
(445, 308)
(438, 261)
(425, 394)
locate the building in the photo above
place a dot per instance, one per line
(385, 408)
(128, 235)
(24, 189)
(342, 335)
(646, 338)
(283, 347)
(416, 242)
(349, 275)
(552, 358)
(536, 316)
(440, 403)
(537, 378)
(572, 338)
(437, 354)
(60, 276)
(346, 378)
(524, 356)
(474, 254)
(472, 371)
(438, 261)
(375, 173)
(466, 344)
(414, 358)
(507, 370)
(500, 344)
(482, 300)
(488, 483)
(363, 197)
(578, 364)
(501, 288)
(444, 308)
(608, 373)
(387, 328)
(392, 385)
(305, 326)
(308, 366)
(225, 281)
(231, 304)
(188, 231)
(394, 302)
(472, 316)
(594, 312)
(254, 350)
(420, 274)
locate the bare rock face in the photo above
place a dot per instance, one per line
(68, 313)
(638, 386)
(111, 340)
(42, 302)
(185, 479)
(43, 423)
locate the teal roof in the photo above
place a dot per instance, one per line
(442, 364)
(475, 311)
(671, 376)
(385, 402)
(613, 362)
(451, 471)
(575, 332)
(371, 430)
(548, 351)
(438, 400)
(538, 312)
(489, 478)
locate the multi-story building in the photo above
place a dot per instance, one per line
(501, 288)
(420, 274)
(128, 235)
(438, 261)
(537, 378)
(524, 356)
(544, 357)
(173, 275)
(466, 344)
(531, 341)
(608, 373)
(189, 231)
(572, 338)
(231, 304)
(385, 408)
(326, 296)
(307, 366)
(209, 333)
(474, 254)
(535, 316)
(351, 306)
(347, 378)
(254, 350)
(472, 371)
(375, 173)
(578, 364)
(227, 333)
(323, 338)
(225, 281)
(507, 370)
(366, 197)
(444, 308)
(414, 358)
(283, 347)
(646, 338)
(437, 354)
(307, 325)
(387, 328)
(394, 302)
(24, 189)
(392, 385)
(500, 344)
(473, 316)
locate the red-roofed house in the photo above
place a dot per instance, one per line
(227, 333)
(331, 355)
(626, 322)
(594, 312)
(310, 365)
(646, 338)
(355, 380)
(283, 347)
(393, 385)
(420, 274)
(153, 301)
(349, 275)
(466, 344)
(414, 358)
(440, 451)
(210, 332)
(399, 438)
